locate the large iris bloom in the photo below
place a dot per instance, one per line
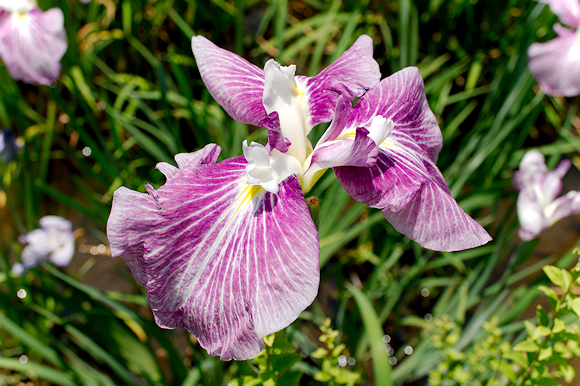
(556, 63)
(228, 250)
(538, 207)
(32, 42)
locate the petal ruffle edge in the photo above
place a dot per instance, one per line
(229, 262)
(414, 197)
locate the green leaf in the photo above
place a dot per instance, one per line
(37, 371)
(374, 329)
(575, 305)
(28, 340)
(545, 353)
(541, 331)
(526, 346)
(546, 382)
(282, 362)
(543, 318)
(559, 325)
(290, 379)
(518, 358)
(507, 369)
(548, 292)
(567, 372)
(554, 274)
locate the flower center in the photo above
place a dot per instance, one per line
(268, 170)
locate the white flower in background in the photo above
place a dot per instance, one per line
(556, 63)
(53, 241)
(538, 207)
(32, 41)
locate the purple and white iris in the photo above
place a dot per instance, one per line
(228, 250)
(32, 42)
(556, 63)
(53, 241)
(538, 207)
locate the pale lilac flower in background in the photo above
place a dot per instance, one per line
(537, 205)
(556, 63)
(53, 241)
(32, 42)
(9, 146)
(228, 250)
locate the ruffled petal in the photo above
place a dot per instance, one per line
(556, 63)
(565, 206)
(32, 44)
(414, 198)
(568, 11)
(401, 97)
(229, 262)
(236, 84)
(352, 74)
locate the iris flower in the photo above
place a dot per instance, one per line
(556, 63)
(53, 241)
(32, 42)
(228, 250)
(9, 146)
(538, 207)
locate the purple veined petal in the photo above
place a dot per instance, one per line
(556, 64)
(227, 261)
(236, 84)
(568, 11)
(343, 110)
(133, 215)
(415, 198)
(359, 152)
(530, 215)
(401, 97)
(32, 44)
(394, 179)
(352, 74)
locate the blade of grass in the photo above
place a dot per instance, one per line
(374, 330)
(37, 371)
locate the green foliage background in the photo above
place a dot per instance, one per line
(131, 93)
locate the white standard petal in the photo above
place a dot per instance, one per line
(18, 6)
(281, 95)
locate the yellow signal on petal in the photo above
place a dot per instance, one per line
(246, 196)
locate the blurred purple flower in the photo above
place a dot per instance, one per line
(228, 250)
(53, 241)
(32, 42)
(538, 207)
(8, 146)
(556, 63)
